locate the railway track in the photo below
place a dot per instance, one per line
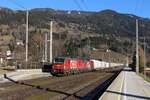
(95, 89)
(80, 86)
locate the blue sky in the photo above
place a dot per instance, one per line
(137, 7)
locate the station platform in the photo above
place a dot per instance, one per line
(24, 75)
(127, 86)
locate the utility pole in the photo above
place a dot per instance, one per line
(144, 57)
(137, 48)
(27, 26)
(51, 26)
(45, 47)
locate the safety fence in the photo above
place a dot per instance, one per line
(29, 65)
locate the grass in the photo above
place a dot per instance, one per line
(4, 47)
(3, 71)
(8, 68)
(145, 78)
(6, 37)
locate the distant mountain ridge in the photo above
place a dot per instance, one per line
(107, 23)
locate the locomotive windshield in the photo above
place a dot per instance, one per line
(59, 60)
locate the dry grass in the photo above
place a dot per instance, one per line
(6, 37)
(8, 68)
(3, 71)
(145, 78)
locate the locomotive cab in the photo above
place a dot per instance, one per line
(58, 65)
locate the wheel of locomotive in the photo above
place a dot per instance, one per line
(78, 72)
(67, 73)
(52, 72)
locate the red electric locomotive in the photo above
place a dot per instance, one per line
(71, 65)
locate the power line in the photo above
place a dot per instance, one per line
(16, 3)
(141, 6)
(138, 6)
(78, 4)
(85, 5)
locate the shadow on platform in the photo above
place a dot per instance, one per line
(129, 95)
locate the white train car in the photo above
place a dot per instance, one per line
(103, 64)
(116, 64)
(107, 65)
(98, 64)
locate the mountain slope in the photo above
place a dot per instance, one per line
(106, 21)
(113, 28)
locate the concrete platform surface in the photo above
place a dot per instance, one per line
(24, 75)
(127, 86)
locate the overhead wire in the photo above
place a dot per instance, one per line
(141, 6)
(18, 4)
(81, 9)
(78, 5)
(85, 5)
(137, 5)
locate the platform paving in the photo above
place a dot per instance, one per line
(24, 75)
(127, 86)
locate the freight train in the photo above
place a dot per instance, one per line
(74, 65)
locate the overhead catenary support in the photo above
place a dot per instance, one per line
(51, 41)
(144, 58)
(45, 48)
(137, 48)
(89, 44)
(27, 26)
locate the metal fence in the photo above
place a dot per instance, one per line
(28, 65)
